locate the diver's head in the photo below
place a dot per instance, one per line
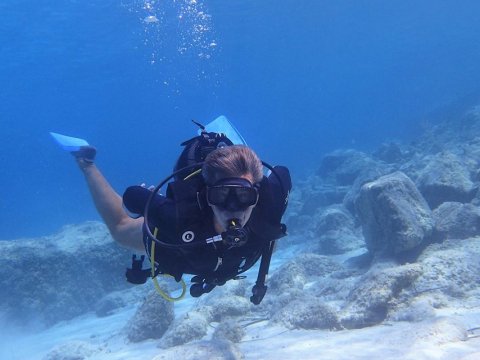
(232, 198)
(232, 175)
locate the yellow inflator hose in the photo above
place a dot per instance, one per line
(154, 278)
(152, 261)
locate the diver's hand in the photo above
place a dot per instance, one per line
(85, 156)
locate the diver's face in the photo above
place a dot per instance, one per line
(222, 217)
(232, 200)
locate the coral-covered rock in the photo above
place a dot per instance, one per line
(370, 301)
(307, 313)
(394, 216)
(342, 167)
(229, 329)
(336, 231)
(224, 307)
(456, 220)
(446, 178)
(66, 274)
(452, 267)
(294, 274)
(151, 320)
(192, 326)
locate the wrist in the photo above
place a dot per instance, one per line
(84, 165)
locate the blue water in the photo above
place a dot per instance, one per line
(298, 78)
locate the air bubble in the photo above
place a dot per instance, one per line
(151, 19)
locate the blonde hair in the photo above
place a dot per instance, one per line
(232, 161)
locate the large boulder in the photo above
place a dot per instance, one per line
(371, 300)
(151, 320)
(225, 307)
(295, 273)
(288, 281)
(321, 195)
(394, 216)
(451, 267)
(366, 176)
(116, 300)
(390, 152)
(307, 313)
(446, 178)
(336, 231)
(456, 220)
(229, 329)
(58, 277)
(342, 167)
(192, 326)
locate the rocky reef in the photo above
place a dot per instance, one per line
(381, 238)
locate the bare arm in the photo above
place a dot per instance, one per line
(125, 230)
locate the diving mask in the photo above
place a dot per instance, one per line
(232, 194)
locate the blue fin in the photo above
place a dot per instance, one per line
(69, 143)
(222, 125)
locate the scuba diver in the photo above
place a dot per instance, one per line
(220, 214)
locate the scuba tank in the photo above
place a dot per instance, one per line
(196, 150)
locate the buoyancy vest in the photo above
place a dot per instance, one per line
(183, 217)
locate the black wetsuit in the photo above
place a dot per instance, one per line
(183, 217)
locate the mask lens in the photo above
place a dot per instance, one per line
(222, 195)
(218, 195)
(246, 196)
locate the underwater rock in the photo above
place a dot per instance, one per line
(67, 273)
(455, 220)
(366, 176)
(446, 178)
(109, 304)
(229, 329)
(395, 218)
(342, 167)
(294, 274)
(307, 313)
(287, 282)
(336, 231)
(227, 301)
(192, 326)
(418, 309)
(275, 300)
(116, 300)
(151, 320)
(451, 267)
(202, 350)
(320, 196)
(73, 350)
(299, 224)
(389, 153)
(371, 299)
(334, 218)
(234, 305)
(332, 289)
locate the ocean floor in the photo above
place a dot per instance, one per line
(444, 336)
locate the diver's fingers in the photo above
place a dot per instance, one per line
(151, 187)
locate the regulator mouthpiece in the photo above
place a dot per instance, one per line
(235, 236)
